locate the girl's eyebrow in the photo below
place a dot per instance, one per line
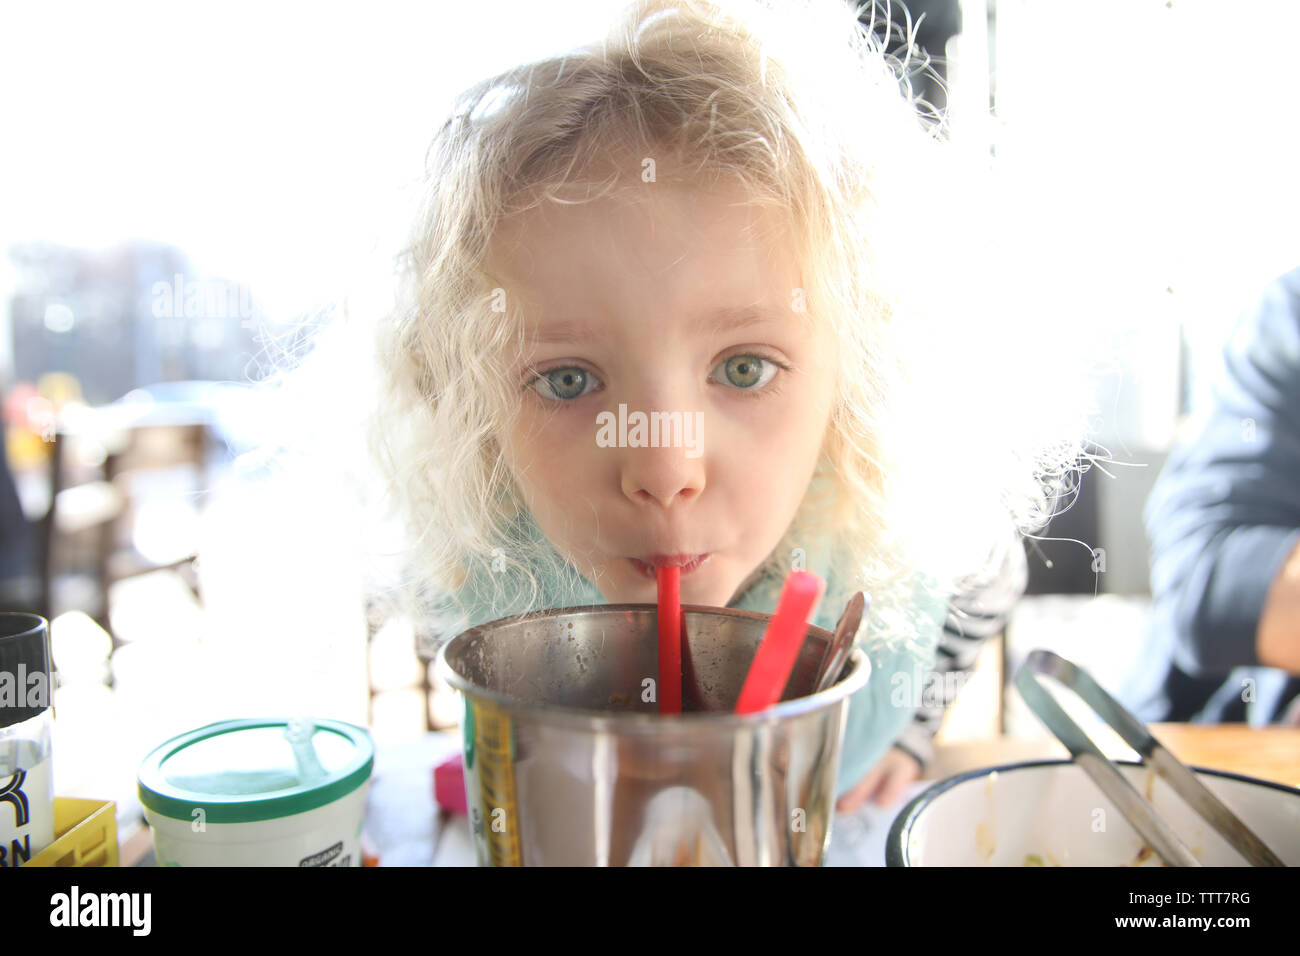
(725, 319)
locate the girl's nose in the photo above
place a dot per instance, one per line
(671, 473)
(663, 476)
(661, 439)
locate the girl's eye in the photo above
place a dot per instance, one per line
(564, 384)
(748, 372)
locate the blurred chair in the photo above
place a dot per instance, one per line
(96, 472)
(17, 564)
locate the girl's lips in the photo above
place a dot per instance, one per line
(687, 562)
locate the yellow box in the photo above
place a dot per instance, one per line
(85, 834)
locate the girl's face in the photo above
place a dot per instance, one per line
(666, 303)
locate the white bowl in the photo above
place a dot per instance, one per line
(1050, 813)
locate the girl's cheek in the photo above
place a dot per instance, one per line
(559, 442)
(757, 424)
(564, 430)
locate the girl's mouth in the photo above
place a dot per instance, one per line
(687, 562)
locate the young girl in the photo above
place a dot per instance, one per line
(673, 301)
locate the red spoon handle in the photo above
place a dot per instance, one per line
(776, 655)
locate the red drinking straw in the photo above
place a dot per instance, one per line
(772, 664)
(670, 640)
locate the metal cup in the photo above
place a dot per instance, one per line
(568, 763)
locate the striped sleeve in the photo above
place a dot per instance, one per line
(974, 615)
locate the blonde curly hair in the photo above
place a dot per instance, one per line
(805, 106)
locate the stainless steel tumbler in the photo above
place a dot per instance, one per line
(568, 763)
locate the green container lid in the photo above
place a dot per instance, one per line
(245, 771)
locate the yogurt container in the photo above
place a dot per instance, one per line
(259, 793)
(26, 729)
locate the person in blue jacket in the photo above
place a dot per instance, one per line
(1224, 525)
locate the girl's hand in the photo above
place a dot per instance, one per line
(885, 782)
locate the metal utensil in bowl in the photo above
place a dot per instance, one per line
(1161, 837)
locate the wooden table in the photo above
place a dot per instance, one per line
(1270, 753)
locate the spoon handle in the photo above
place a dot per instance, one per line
(842, 642)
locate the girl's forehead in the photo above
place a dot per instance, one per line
(689, 262)
(669, 219)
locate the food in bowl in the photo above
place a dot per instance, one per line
(1050, 813)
